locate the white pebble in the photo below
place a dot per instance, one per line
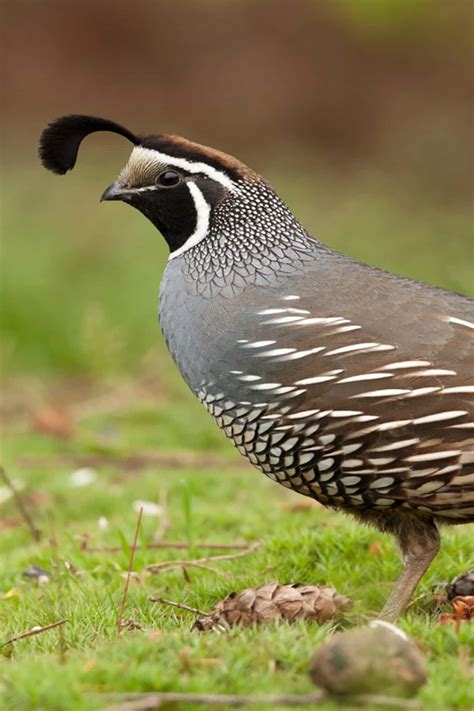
(149, 508)
(6, 493)
(83, 477)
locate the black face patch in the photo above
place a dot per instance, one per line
(213, 192)
(171, 210)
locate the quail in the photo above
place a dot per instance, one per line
(337, 380)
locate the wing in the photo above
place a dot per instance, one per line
(362, 401)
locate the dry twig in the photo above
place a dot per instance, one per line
(149, 702)
(129, 572)
(211, 569)
(180, 545)
(155, 598)
(168, 564)
(34, 631)
(35, 533)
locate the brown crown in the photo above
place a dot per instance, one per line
(179, 147)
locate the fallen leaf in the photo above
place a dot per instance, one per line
(153, 636)
(54, 421)
(10, 522)
(375, 549)
(273, 601)
(301, 505)
(95, 688)
(14, 592)
(208, 661)
(464, 606)
(89, 666)
(463, 610)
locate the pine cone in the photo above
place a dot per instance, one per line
(273, 601)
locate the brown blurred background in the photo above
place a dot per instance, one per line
(383, 81)
(359, 111)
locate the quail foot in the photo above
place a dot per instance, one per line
(336, 379)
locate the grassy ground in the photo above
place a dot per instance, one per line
(78, 319)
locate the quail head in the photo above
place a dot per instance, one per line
(340, 381)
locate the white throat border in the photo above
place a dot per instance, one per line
(203, 214)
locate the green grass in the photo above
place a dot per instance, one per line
(78, 301)
(223, 502)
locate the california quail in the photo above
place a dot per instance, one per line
(340, 381)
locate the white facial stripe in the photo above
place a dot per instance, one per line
(203, 212)
(150, 155)
(144, 189)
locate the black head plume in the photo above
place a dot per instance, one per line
(60, 140)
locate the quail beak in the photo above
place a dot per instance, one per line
(113, 192)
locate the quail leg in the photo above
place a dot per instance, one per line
(419, 546)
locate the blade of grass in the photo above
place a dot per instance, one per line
(129, 572)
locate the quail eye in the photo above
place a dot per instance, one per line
(168, 179)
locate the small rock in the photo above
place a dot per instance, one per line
(462, 585)
(54, 421)
(378, 659)
(103, 523)
(34, 572)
